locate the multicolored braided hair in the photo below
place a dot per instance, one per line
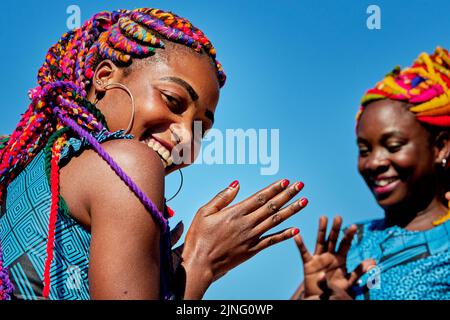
(424, 87)
(59, 104)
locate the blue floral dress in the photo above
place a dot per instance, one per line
(411, 265)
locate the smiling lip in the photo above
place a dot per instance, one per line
(163, 143)
(382, 190)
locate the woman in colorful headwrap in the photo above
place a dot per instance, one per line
(83, 213)
(404, 148)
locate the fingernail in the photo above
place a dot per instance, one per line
(303, 202)
(299, 186)
(285, 183)
(295, 232)
(234, 184)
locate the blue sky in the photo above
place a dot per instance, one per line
(297, 66)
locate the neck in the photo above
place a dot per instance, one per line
(415, 217)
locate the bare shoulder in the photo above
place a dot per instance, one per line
(125, 237)
(89, 180)
(132, 154)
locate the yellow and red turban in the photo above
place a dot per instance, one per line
(424, 85)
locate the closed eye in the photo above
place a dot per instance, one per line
(394, 147)
(175, 104)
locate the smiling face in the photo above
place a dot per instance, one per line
(397, 157)
(171, 89)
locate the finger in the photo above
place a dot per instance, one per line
(347, 241)
(322, 282)
(323, 285)
(177, 256)
(315, 297)
(362, 268)
(334, 234)
(280, 216)
(304, 253)
(276, 203)
(221, 200)
(321, 234)
(274, 238)
(260, 198)
(176, 233)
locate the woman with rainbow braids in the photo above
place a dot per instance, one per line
(403, 135)
(83, 213)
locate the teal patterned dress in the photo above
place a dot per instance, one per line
(24, 229)
(411, 265)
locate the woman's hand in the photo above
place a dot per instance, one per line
(222, 237)
(325, 272)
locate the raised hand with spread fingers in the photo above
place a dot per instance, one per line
(325, 272)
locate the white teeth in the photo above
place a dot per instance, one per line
(166, 154)
(156, 145)
(384, 182)
(162, 152)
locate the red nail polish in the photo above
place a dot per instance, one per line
(234, 184)
(295, 232)
(299, 186)
(285, 183)
(303, 202)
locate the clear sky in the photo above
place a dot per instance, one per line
(297, 66)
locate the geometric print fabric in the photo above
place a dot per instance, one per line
(23, 234)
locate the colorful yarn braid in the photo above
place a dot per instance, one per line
(424, 86)
(59, 102)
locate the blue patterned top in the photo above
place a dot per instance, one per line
(24, 231)
(411, 265)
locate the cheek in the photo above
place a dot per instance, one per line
(361, 165)
(415, 161)
(150, 107)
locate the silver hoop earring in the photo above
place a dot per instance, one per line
(444, 163)
(179, 189)
(124, 88)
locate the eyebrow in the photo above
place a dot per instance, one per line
(194, 96)
(384, 136)
(184, 84)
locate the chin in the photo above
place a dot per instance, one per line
(396, 199)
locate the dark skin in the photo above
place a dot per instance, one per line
(393, 145)
(124, 252)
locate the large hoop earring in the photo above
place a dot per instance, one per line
(133, 106)
(179, 189)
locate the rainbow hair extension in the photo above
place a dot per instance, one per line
(424, 86)
(59, 105)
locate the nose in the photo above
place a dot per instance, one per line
(181, 133)
(377, 161)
